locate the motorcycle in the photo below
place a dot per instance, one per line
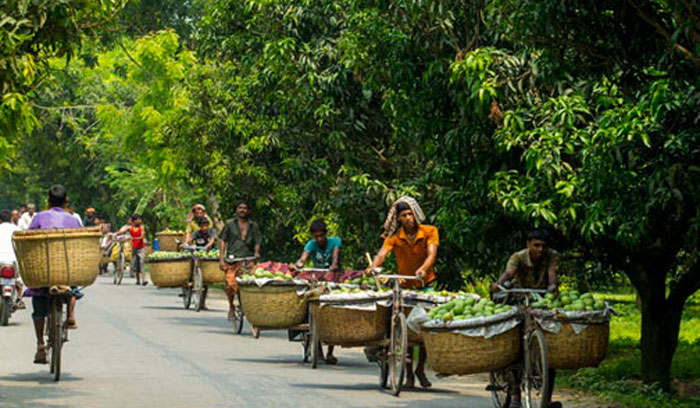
(8, 291)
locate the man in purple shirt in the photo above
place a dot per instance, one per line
(55, 217)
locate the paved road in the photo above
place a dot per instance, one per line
(137, 347)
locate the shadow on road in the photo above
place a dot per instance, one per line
(278, 360)
(39, 378)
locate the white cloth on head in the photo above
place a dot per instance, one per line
(391, 225)
(7, 251)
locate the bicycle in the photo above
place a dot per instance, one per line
(532, 372)
(392, 358)
(121, 259)
(238, 316)
(56, 333)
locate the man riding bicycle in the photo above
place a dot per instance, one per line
(55, 217)
(204, 239)
(534, 267)
(240, 238)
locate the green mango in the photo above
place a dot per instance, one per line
(447, 317)
(469, 301)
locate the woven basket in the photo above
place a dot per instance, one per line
(567, 350)
(273, 306)
(350, 327)
(51, 257)
(166, 241)
(170, 274)
(211, 272)
(453, 353)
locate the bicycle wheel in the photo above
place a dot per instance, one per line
(314, 343)
(500, 386)
(57, 311)
(197, 289)
(49, 332)
(237, 314)
(536, 376)
(397, 352)
(187, 296)
(119, 272)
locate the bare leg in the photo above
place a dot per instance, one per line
(420, 368)
(410, 379)
(39, 331)
(204, 297)
(71, 308)
(329, 356)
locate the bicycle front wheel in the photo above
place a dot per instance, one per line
(238, 314)
(397, 352)
(536, 376)
(197, 289)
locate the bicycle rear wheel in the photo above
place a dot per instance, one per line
(500, 386)
(57, 312)
(536, 376)
(397, 352)
(187, 296)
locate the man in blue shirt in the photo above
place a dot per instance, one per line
(324, 252)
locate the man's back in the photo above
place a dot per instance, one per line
(55, 217)
(7, 252)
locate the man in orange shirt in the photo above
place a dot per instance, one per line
(415, 248)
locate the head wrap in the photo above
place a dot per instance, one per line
(190, 216)
(391, 225)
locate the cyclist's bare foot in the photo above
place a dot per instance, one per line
(40, 356)
(71, 324)
(423, 380)
(231, 315)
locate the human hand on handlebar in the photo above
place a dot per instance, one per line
(421, 273)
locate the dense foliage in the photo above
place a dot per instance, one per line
(580, 116)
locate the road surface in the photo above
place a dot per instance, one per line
(138, 347)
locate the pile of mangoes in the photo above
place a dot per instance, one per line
(165, 255)
(261, 273)
(208, 254)
(569, 301)
(169, 231)
(467, 308)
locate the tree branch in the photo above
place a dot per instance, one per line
(688, 284)
(665, 33)
(128, 54)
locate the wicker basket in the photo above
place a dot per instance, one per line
(211, 272)
(50, 257)
(350, 327)
(452, 353)
(166, 241)
(170, 273)
(567, 350)
(273, 306)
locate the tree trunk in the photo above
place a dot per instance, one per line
(660, 329)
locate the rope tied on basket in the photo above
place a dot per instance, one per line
(65, 253)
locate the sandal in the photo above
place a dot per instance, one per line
(423, 380)
(331, 360)
(40, 356)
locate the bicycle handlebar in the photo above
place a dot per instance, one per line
(234, 260)
(407, 277)
(522, 290)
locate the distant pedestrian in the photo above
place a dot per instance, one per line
(25, 220)
(14, 217)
